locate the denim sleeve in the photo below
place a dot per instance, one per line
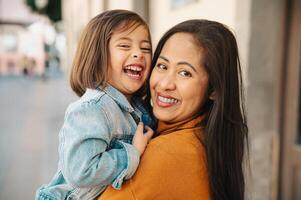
(84, 158)
(133, 159)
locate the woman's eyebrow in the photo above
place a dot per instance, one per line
(179, 63)
(163, 58)
(188, 64)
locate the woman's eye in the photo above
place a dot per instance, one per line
(185, 73)
(162, 66)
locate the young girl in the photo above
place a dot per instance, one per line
(109, 71)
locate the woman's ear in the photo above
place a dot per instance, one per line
(212, 96)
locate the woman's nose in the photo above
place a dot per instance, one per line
(167, 82)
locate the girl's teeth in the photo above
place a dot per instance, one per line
(133, 68)
(167, 100)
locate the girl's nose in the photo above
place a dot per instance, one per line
(137, 55)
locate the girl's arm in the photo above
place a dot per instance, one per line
(84, 158)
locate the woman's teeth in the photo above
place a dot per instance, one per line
(167, 100)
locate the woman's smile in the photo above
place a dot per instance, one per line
(166, 101)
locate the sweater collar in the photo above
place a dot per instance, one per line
(166, 128)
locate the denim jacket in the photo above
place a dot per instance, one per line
(95, 145)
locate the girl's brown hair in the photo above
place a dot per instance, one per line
(90, 64)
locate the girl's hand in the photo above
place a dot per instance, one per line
(141, 139)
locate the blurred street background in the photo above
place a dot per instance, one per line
(38, 39)
(34, 111)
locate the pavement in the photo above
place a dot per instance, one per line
(31, 114)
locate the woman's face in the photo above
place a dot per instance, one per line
(179, 81)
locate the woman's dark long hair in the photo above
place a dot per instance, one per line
(226, 131)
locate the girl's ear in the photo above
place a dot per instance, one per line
(212, 96)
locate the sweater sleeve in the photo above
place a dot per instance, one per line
(170, 168)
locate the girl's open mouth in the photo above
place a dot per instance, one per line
(133, 71)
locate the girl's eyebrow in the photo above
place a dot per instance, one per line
(124, 38)
(180, 63)
(146, 41)
(129, 39)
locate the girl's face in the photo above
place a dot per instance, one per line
(130, 59)
(179, 82)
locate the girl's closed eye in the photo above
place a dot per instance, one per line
(124, 46)
(146, 49)
(185, 73)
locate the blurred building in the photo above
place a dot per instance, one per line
(269, 39)
(24, 37)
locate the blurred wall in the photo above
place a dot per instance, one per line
(165, 14)
(265, 68)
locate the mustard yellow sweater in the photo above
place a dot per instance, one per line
(173, 167)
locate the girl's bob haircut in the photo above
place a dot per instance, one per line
(90, 64)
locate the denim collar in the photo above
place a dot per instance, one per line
(118, 97)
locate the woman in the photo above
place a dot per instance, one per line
(196, 92)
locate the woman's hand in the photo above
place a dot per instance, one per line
(141, 139)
